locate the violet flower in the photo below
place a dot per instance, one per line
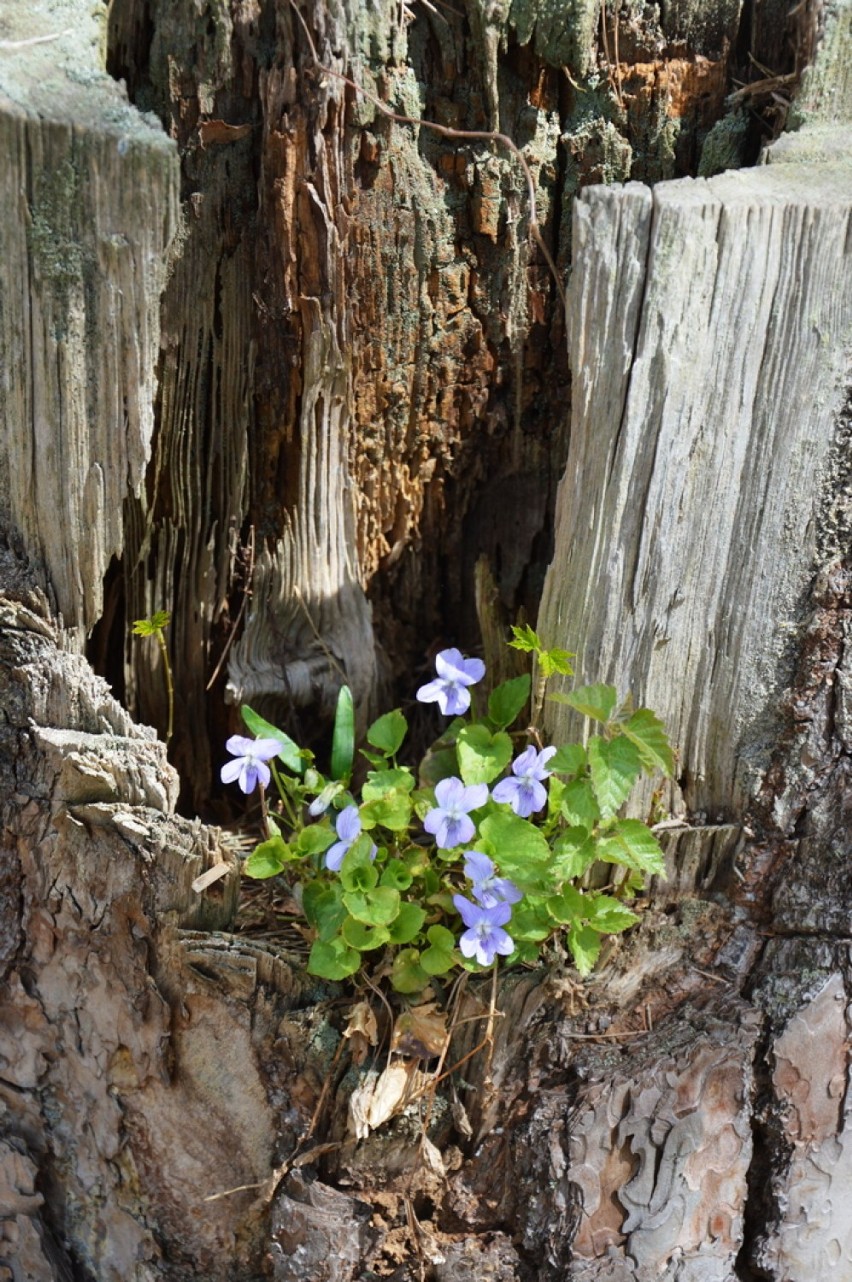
(449, 689)
(448, 822)
(348, 828)
(484, 937)
(488, 889)
(525, 793)
(250, 766)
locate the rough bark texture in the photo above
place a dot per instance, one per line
(361, 364)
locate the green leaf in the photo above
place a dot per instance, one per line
(569, 760)
(648, 733)
(267, 859)
(150, 627)
(407, 924)
(520, 850)
(396, 875)
(524, 638)
(440, 956)
(393, 811)
(574, 852)
(316, 838)
(614, 765)
(363, 937)
(333, 959)
(261, 729)
(376, 907)
(597, 701)
(407, 975)
(556, 662)
(380, 782)
(343, 736)
(585, 945)
(438, 764)
(530, 922)
(632, 844)
(568, 906)
(358, 872)
(388, 732)
(323, 906)
(507, 700)
(482, 756)
(609, 916)
(579, 805)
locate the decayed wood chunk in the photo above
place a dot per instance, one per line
(88, 204)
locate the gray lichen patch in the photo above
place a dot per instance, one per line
(563, 34)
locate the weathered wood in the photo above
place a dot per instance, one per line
(710, 323)
(88, 204)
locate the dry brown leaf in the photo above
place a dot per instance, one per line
(362, 1031)
(378, 1098)
(432, 1157)
(421, 1031)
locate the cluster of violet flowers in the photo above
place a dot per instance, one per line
(489, 910)
(449, 822)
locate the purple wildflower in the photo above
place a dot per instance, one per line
(449, 689)
(484, 937)
(525, 793)
(250, 766)
(348, 828)
(488, 889)
(448, 822)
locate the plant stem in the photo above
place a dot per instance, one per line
(170, 689)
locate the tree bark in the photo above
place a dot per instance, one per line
(320, 395)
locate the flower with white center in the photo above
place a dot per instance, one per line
(450, 688)
(449, 822)
(250, 766)
(525, 792)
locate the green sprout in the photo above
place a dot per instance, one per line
(154, 627)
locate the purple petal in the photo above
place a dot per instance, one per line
(454, 832)
(477, 867)
(449, 793)
(544, 756)
(432, 692)
(471, 914)
(335, 854)
(469, 943)
(508, 890)
(240, 746)
(264, 749)
(525, 762)
(258, 770)
(475, 796)
(499, 914)
(505, 791)
(231, 771)
(454, 701)
(433, 821)
(348, 824)
(452, 665)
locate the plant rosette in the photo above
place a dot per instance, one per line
(482, 854)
